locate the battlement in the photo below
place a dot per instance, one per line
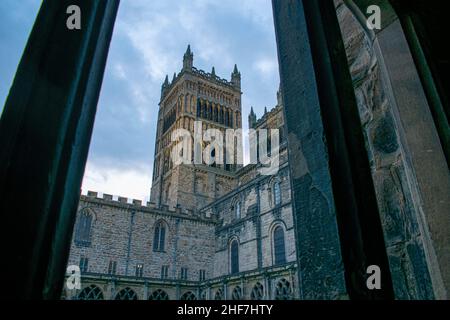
(267, 115)
(204, 75)
(188, 68)
(138, 205)
(212, 77)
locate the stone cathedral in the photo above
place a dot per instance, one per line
(220, 231)
(228, 232)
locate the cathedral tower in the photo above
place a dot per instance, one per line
(194, 95)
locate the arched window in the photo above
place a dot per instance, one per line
(91, 293)
(199, 108)
(126, 294)
(257, 292)
(278, 245)
(203, 295)
(159, 295)
(283, 290)
(227, 118)
(205, 110)
(221, 116)
(277, 193)
(216, 115)
(237, 293)
(159, 237)
(188, 296)
(218, 295)
(234, 257)
(238, 210)
(83, 230)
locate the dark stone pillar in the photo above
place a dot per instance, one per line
(45, 131)
(337, 223)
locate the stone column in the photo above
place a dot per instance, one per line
(145, 291)
(45, 131)
(331, 179)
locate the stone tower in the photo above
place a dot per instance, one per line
(194, 95)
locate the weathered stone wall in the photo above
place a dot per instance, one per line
(398, 206)
(196, 239)
(124, 233)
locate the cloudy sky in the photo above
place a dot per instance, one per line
(149, 41)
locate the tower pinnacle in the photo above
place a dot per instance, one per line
(188, 59)
(252, 119)
(236, 77)
(164, 86)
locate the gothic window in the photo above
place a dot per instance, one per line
(238, 210)
(91, 293)
(159, 295)
(139, 270)
(210, 111)
(237, 293)
(218, 295)
(202, 275)
(183, 273)
(204, 110)
(231, 119)
(216, 115)
(277, 193)
(83, 230)
(283, 290)
(164, 272)
(199, 108)
(227, 118)
(84, 264)
(188, 296)
(159, 237)
(126, 294)
(257, 292)
(234, 257)
(112, 267)
(278, 245)
(203, 295)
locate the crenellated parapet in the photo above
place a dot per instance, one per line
(149, 207)
(267, 115)
(188, 68)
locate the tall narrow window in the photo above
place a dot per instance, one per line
(164, 272)
(199, 108)
(83, 229)
(278, 244)
(139, 270)
(202, 275)
(238, 210)
(112, 267)
(84, 264)
(234, 257)
(159, 237)
(184, 274)
(277, 193)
